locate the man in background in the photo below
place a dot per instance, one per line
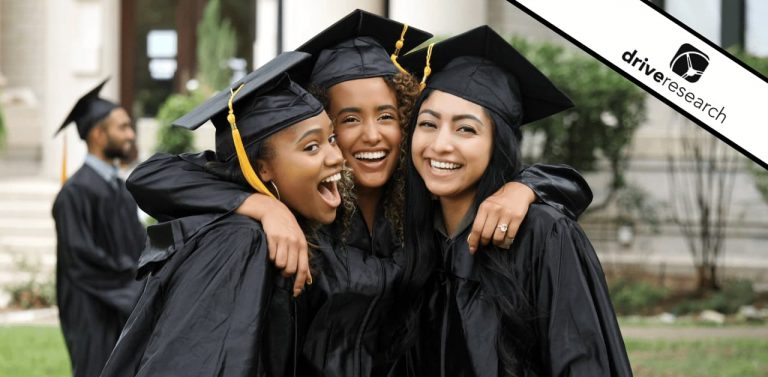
(99, 237)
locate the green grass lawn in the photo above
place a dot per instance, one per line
(33, 351)
(39, 351)
(699, 358)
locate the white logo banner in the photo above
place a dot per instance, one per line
(679, 67)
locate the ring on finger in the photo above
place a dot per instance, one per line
(503, 228)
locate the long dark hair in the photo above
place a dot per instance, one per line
(515, 341)
(406, 89)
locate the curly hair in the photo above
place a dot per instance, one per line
(406, 89)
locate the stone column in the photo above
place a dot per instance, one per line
(82, 48)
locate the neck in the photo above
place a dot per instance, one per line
(368, 200)
(99, 153)
(454, 209)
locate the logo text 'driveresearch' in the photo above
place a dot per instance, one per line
(689, 63)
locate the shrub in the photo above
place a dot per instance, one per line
(630, 297)
(172, 139)
(728, 300)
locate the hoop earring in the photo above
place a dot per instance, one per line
(276, 190)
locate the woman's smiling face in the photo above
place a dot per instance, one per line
(305, 165)
(365, 115)
(451, 145)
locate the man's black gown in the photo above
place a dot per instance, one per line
(337, 322)
(573, 323)
(100, 239)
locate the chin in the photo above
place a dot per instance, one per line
(326, 218)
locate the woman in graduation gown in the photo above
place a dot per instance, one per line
(356, 308)
(539, 309)
(211, 292)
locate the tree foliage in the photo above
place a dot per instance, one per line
(216, 44)
(608, 110)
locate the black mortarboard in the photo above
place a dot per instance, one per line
(88, 111)
(360, 45)
(268, 102)
(481, 67)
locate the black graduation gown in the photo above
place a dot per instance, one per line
(349, 303)
(99, 239)
(214, 305)
(211, 292)
(350, 314)
(572, 317)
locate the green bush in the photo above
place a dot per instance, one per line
(728, 300)
(172, 139)
(630, 297)
(609, 108)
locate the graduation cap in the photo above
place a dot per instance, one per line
(483, 68)
(360, 45)
(260, 104)
(89, 110)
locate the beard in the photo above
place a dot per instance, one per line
(115, 150)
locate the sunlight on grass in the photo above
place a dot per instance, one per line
(699, 358)
(33, 351)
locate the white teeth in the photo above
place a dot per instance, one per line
(444, 165)
(332, 178)
(370, 155)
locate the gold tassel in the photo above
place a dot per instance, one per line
(427, 69)
(398, 45)
(64, 161)
(245, 165)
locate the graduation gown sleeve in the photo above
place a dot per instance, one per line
(204, 311)
(558, 186)
(173, 186)
(581, 335)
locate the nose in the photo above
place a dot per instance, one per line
(334, 157)
(371, 134)
(131, 134)
(443, 142)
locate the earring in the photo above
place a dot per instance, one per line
(276, 190)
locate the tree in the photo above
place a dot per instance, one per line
(216, 45)
(702, 172)
(608, 110)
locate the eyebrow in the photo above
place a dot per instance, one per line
(430, 112)
(454, 118)
(317, 131)
(385, 107)
(468, 116)
(349, 110)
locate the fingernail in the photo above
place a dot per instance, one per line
(472, 250)
(296, 292)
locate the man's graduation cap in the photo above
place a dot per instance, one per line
(89, 110)
(257, 106)
(360, 45)
(483, 68)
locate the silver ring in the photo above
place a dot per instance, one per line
(503, 228)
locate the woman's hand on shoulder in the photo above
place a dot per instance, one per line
(285, 239)
(500, 215)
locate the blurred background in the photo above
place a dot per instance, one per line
(680, 220)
